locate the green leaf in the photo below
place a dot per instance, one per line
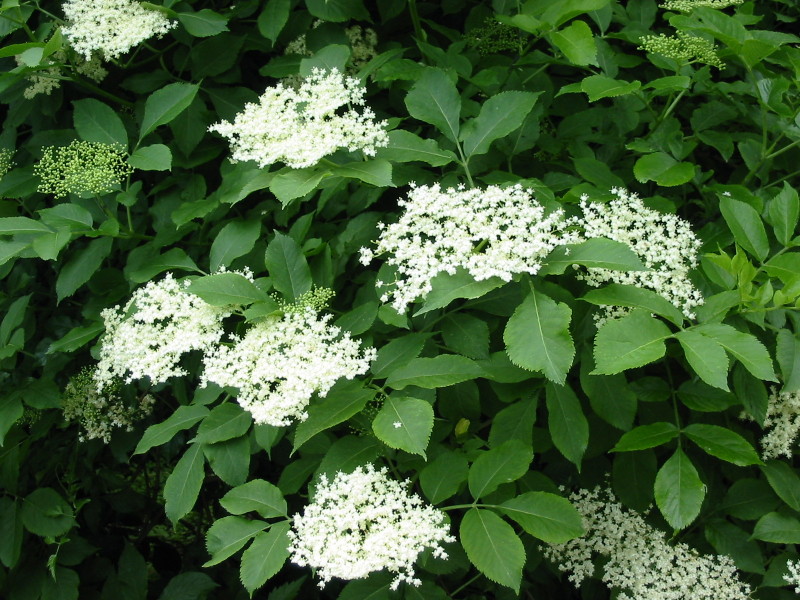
(723, 443)
(493, 547)
(617, 294)
(503, 464)
(338, 406)
(678, 490)
(165, 104)
(190, 585)
(375, 172)
(706, 357)
(537, 336)
(22, 225)
(405, 146)
(332, 56)
(567, 423)
(156, 157)
(72, 216)
(225, 289)
(778, 529)
(226, 421)
(397, 352)
(273, 18)
(546, 516)
(434, 99)
(629, 342)
(663, 169)
(746, 225)
(600, 253)
(442, 477)
(784, 210)
(255, 495)
(753, 394)
(45, 513)
(646, 436)
(174, 259)
(295, 183)
(749, 499)
(577, 43)
(11, 532)
(227, 536)
(183, 484)
(230, 460)
(744, 347)
(97, 122)
(76, 338)
(784, 480)
(287, 267)
(203, 23)
(161, 433)
(436, 372)
(236, 239)
(787, 353)
(404, 424)
(632, 476)
(610, 396)
(602, 86)
(338, 11)
(447, 288)
(500, 115)
(81, 266)
(265, 556)
(514, 422)
(557, 13)
(346, 454)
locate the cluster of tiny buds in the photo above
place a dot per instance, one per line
(82, 167)
(6, 161)
(683, 47)
(690, 5)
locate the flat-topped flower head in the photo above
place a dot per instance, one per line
(111, 27)
(683, 47)
(300, 126)
(362, 522)
(637, 560)
(82, 168)
(492, 232)
(665, 244)
(690, 5)
(149, 334)
(783, 423)
(280, 363)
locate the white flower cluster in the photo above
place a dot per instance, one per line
(783, 421)
(793, 576)
(665, 244)
(148, 336)
(44, 81)
(278, 364)
(637, 559)
(495, 232)
(363, 522)
(301, 126)
(111, 27)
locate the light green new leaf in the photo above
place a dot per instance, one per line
(161, 433)
(375, 172)
(338, 406)
(183, 484)
(236, 239)
(537, 336)
(442, 477)
(567, 423)
(295, 183)
(500, 115)
(646, 436)
(405, 146)
(436, 372)
(493, 547)
(80, 268)
(746, 226)
(447, 288)
(97, 122)
(600, 253)
(577, 43)
(706, 357)
(602, 86)
(723, 443)
(503, 464)
(165, 104)
(287, 267)
(744, 347)
(224, 289)
(225, 422)
(663, 169)
(546, 516)
(265, 556)
(617, 294)
(778, 529)
(156, 157)
(678, 490)
(255, 495)
(784, 210)
(203, 23)
(434, 99)
(228, 534)
(404, 424)
(629, 342)
(785, 481)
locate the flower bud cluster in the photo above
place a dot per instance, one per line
(363, 45)
(363, 522)
(6, 161)
(300, 126)
(44, 81)
(665, 244)
(637, 560)
(690, 5)
(111, 27)
(81, 168)
(683, 47)
(783, 422)
(492, 232)
(278, 364)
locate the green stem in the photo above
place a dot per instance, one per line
(412, 10)
(466, 584)
(474, 505)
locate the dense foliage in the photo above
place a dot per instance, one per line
(403, 299)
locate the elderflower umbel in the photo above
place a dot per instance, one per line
(301, 126)
(279, 363)
(98, 412)
(665, 244)
(148, 336)
(689, 5)
(783, 421)
(793, 576)
(111, 27)
(496, 232)
(363, 522)
(637, 560)
(682, 47)
(81, 168)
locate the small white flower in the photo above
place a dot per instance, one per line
(397, 424)
(783, 422)
(793, 576)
